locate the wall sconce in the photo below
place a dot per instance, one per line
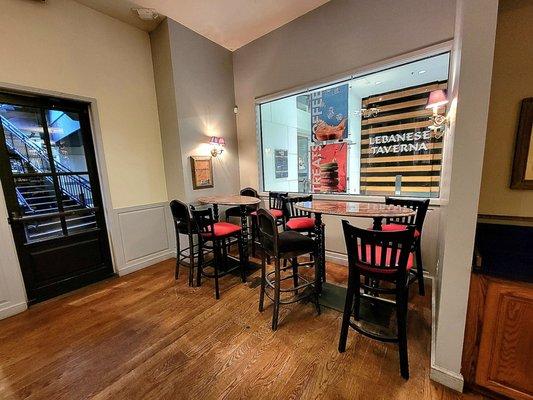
(217, 145)
(436, 99)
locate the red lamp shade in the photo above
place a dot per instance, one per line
(437, 98)
(221, 142)
(214, 140)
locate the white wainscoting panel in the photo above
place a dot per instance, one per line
(144, 236)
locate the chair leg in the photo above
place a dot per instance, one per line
(316, 286)
(277, 288)
(178, 250)
(347, 311)
(357, 296)
(323, 253)
(254, 234)
(216, 262)
(191, 260)
(263, 283)
(294, 263)
(200, 263)
(241, 244)
(420, 271)
(401, 314)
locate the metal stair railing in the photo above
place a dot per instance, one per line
(74, 186)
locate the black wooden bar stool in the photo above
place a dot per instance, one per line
(275, 205)
(287, 245)
(236, 211)
(222, 235)
(184, 225)
(401, 223)
(384, 256)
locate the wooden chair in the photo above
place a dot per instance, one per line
(384, 256)
(401, 223)
(275, 205)
(295, 219)
(236, 211)
(220, 234)
(287, 245)
(184, 225)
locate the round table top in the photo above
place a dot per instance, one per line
(355, 209)
(232, 200)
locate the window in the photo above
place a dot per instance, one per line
(367, 135)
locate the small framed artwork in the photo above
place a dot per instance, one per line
(202, 172)
(522, 175)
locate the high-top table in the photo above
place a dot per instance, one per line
(330, 293)
(241, 202)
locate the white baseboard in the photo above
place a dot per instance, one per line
(146, 261)
(337, 258)
(13, 309)
(439, 374)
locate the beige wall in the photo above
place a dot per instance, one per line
(66, 47)
(512, 80)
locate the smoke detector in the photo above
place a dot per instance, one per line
(146, 14)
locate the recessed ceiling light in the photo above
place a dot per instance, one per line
(422, 71)
(378, 83)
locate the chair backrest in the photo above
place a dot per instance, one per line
(248, 191)
(268, 231)
(375, 252)
(291, 210)
(418, 205)
(275, 200)
(181, 216)
(204, 220)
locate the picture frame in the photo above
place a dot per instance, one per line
(522, 173)
(202, 172)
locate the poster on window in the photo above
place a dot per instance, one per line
(281, 163)
(329, 114)
(328, 168)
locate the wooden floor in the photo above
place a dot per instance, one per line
(146, 336)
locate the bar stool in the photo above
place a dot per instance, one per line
(184, 225)
(401, 223)
(287, 245)
(298, 220)
(384, 256)
(276, 207)
(222, 235)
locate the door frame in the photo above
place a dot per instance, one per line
(8, 246)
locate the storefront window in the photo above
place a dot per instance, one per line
(370, 135)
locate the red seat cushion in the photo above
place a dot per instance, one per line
(396, 228)
(301, 223)
(223, 229)
(274, 211)
(384, 270)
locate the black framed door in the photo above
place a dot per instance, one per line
(50, 181)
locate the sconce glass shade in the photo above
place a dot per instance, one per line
(214, 140)
(437, 98)
(221, 141)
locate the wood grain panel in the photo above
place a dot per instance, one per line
(505, 361)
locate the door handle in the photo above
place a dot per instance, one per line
(14, 217)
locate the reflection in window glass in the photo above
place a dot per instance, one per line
(371, 135)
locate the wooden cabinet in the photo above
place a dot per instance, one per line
(498, 351)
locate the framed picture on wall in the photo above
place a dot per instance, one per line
(202, 172)
(522, 175)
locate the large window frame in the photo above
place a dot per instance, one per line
(406, 58)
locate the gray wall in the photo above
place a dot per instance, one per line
(194, 81)
(336, 37)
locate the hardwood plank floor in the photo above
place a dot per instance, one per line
(147, 336)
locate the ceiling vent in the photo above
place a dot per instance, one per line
(146, 14)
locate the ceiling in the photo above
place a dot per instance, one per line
(230, 23)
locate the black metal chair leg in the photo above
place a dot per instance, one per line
(241, 244)
(275, 314)
(216, 262)
(191, 260)
(357, 296)
(420, 272)
(347, 311)
(401, 314)
(178, 250)
(294, 263)
(263, 283)
(200, 263)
